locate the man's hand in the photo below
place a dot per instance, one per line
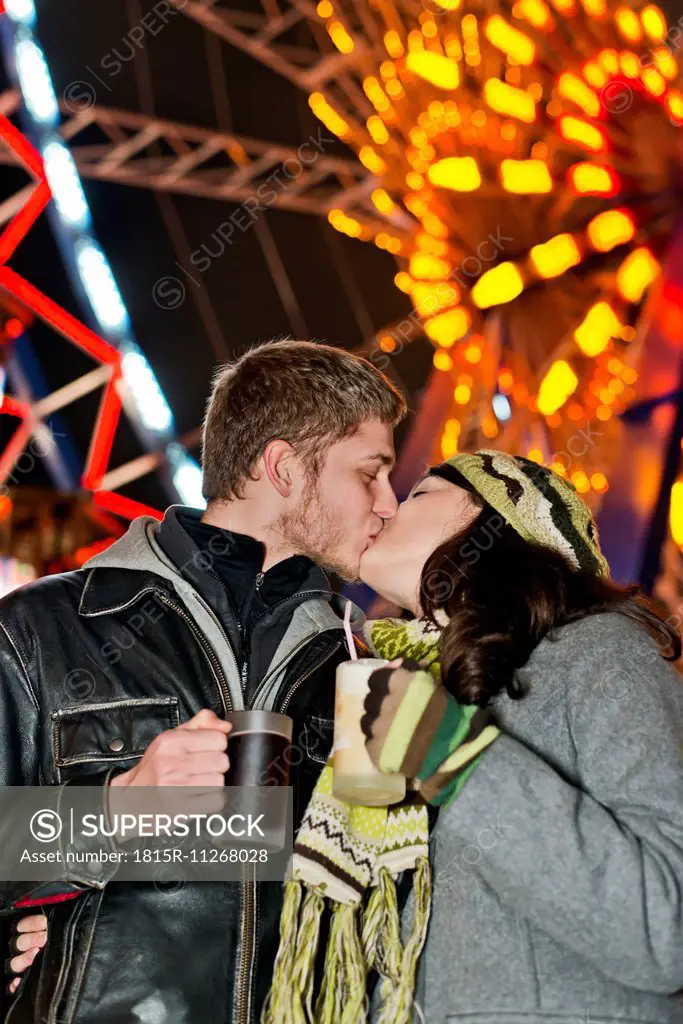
(193, 754)
(30, 939)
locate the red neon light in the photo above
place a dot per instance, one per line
(19, 144)
(103, 435)
(22, 221)
(66, 324)
(14, 447)
(15, 407)
(124, 506)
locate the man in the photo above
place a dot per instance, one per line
(121, 675)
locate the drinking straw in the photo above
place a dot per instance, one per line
(349, 635)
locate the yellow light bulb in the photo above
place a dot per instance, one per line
(609, 229)
(594, 74)
(458, 173)
(447, 328)
(499, 285)
(508, 39)
(653, 82)
(654, 23)
(637, 273)
(666, 63)
(442, 361)
(506, 99)
(525, 177)
(370, 159)
(575, 129)
(558, 384)
(598, 327)
(536, 13)
(425, 267)
(628, 24)
(340, 37)
(434, 67)
(572, 88)
(676, 513)
(377, 129)
(555, 257)
(328, 115)
(393, 44)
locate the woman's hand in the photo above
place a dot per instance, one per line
(414, 726)
(30, 938)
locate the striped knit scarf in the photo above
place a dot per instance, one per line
(346, 858)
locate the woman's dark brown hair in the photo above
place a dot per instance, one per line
(503, 595)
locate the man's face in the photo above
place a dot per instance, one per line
(341, 512)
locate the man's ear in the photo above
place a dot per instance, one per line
(278, 463)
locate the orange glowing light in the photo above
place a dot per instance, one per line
(508, 39)
(598, 327)
(556, 256)
(461, 174)
(328, 115)
(499, 285)
(588, 179)
(558, 384)
(594, 74)
(434, 67)
(628, 24)
(536, 13)
(666, 63)
(572, 88)
(525, 177)
(654, 23)
(506, 99)
(428, 268)
(653, 82)
(447, 328)
(637, 273)
(583, 133)
(611, 228)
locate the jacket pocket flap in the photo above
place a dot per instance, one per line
(111, 731)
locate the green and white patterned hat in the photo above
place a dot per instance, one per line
(540, 505)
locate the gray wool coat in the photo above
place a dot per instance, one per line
(558, 871)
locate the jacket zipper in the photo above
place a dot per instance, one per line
(295, 686)
(250, 893)
(221, 681)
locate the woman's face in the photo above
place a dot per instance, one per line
(433, 511)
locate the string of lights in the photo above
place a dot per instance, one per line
(133, 381)
(526, 162)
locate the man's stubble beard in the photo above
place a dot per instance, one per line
(312, 529)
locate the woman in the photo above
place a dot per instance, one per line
(558, 851)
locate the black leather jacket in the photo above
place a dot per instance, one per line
(110, 654)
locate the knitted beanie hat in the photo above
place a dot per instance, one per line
(540, 505)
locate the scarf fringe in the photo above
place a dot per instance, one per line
(280, 1007)
(398, 1002)
(342, 997)
(349, 956)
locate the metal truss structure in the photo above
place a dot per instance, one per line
(309, 181)
(143, 151)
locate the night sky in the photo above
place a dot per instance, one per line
(341, 286)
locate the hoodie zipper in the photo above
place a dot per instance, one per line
(246, 639)
(249, 888)
(250, 891)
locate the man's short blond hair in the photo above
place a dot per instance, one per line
(308, 394)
